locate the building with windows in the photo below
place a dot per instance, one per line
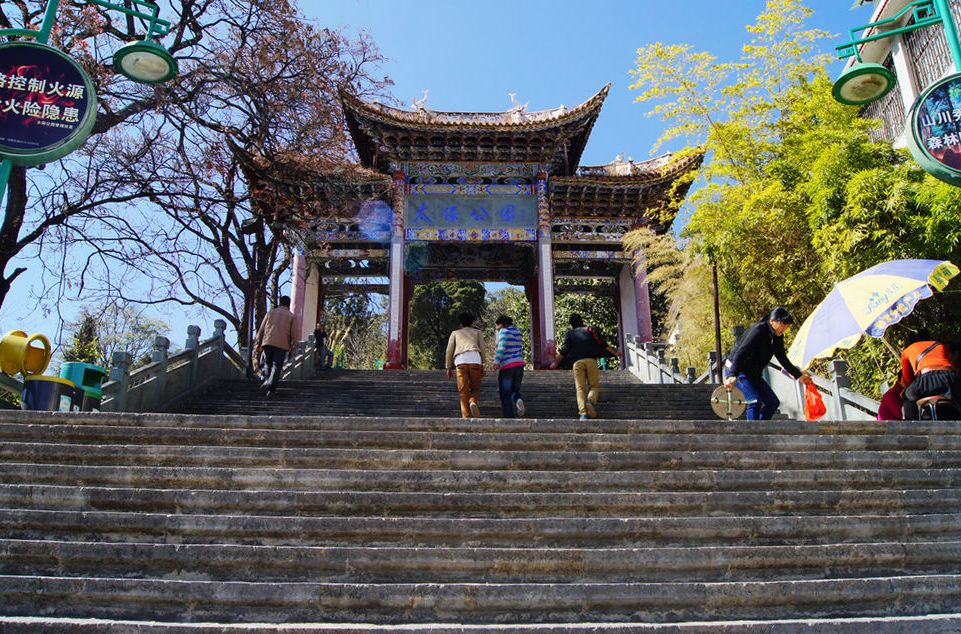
(918, 59)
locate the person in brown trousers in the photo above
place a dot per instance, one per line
(465, 352)
(276, 337)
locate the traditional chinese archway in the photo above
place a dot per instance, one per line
(480, 196)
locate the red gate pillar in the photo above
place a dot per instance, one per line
(298, 291)
(642, 298)
(546, 345)
(397, 297)
(530, 290)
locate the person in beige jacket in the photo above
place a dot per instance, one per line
(465, 352)
(276, 337)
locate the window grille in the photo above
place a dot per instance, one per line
(928, 51)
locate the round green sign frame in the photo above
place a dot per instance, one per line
(44, 57)
(934, 126)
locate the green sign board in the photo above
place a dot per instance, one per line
(497, 218)
(48, 105)
(934, 130)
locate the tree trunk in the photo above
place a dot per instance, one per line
(10, 230)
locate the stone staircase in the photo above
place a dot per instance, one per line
(547, 394)
(211, 523)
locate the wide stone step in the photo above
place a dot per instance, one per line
(919, 429)
(925, 624)
(495, 565)
(198, 436)
(264, 502)
(476, 602)
(429, 459)
(664, 530)
(474, 481)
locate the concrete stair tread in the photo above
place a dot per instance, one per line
(474, 439)
(267, 501)
(567, 425)
(401, 602)
(463, 564)
(924, 624)
(467, 459)
(234, 478)
(540, 531)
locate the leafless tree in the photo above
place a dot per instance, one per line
(158, 208)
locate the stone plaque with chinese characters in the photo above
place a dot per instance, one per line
(499, 218)
(47, 103)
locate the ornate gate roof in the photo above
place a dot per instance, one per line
(555, 138)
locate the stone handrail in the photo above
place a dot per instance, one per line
(842, 402)
(167, 380)
(646, 361)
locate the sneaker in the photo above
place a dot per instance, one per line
(583, 417)
(519, 407)
(474, 409)
(590, 409)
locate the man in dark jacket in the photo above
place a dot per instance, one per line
(743, 368)
(580, 351)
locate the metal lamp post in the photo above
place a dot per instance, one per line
(251, 227)
(144, 61)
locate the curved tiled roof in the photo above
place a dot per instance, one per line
(622, 189)
(554, 137)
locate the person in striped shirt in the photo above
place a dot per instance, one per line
(509, 359)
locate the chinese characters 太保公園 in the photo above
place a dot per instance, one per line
(466, 215)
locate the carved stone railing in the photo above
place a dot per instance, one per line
(648, 363)
(842, 402)
(168, 380)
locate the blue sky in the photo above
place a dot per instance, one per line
(470, 54)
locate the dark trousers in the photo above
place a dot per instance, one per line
(509, 385)
(765, 400)
(275, 366)
(946, 383)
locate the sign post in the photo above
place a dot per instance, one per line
(48, 104)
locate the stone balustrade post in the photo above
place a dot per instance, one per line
(220, 327)
(120, 372)
(712, 366)
(839, 381)
(660, 365)
(310, 362)
(193, 342)
(675, 369)
(649, 361)
(299, 358)
(161, 347)
(193, 338)
(691, 374)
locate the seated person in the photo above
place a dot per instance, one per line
(891, 403)
(926, 370)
